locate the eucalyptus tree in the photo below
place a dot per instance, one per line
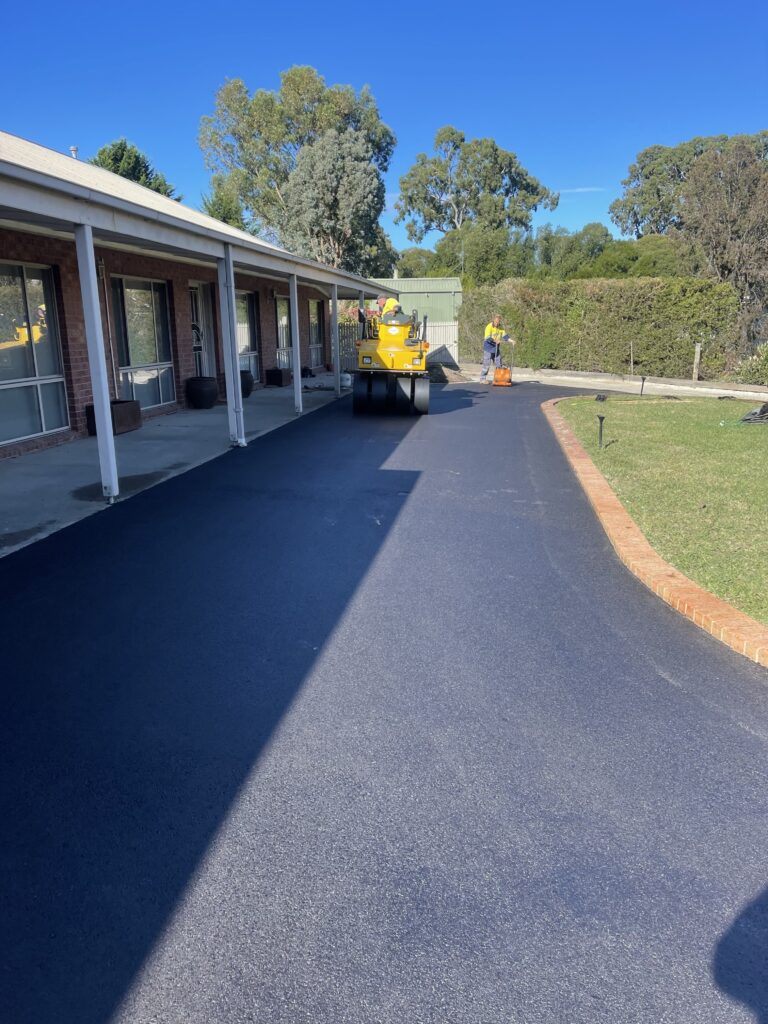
(467, 181)
(254, 140)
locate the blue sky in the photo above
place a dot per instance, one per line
(575, 89)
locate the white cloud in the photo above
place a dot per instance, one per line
(574, 191)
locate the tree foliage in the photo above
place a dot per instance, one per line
(481, 255)
(333, 199)
(649, 256)
(415, 262)
(476, 252)
(255, 140)
(123, 158)
(725, 214)
(468, 181)
(223, 203)
(725, 211)
(652, 200)
(590, 253)
(562, 254)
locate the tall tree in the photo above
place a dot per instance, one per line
(561, 254)
(548, 243)
(465, 181)
(333, 200)
(653, 188)
(477, 252)
(725, 213)
(255, 140)
(123, 158)
(414, 262)
(521, 255)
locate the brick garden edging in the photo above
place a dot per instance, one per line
(740, 632)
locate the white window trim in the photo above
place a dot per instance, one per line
(35, 382)
(164, 365)
(284, 353)
(251, 355)
(319, 309)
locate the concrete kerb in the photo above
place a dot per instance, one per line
(738, 631)
(632, 384)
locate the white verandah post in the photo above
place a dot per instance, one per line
(226, 274)
(361, 317)
(295, 344)
(335, 352)
(97, 361)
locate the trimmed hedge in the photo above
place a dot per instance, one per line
(647, 325)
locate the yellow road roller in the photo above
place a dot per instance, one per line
(392, 366)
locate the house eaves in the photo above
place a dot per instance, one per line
(58, 191)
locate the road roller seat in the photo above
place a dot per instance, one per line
(396, 317)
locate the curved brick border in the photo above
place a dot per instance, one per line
(722, 620)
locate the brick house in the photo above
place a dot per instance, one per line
(109, 290)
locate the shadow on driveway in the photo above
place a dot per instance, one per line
(740, 966)
(148, 655)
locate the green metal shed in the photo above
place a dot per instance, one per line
(437, 297)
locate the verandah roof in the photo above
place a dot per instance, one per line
(42, 188)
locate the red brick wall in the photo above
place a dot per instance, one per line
(60, 254)
(177, 277)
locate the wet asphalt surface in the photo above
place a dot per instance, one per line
(366, 723)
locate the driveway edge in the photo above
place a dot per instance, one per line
(743, 634)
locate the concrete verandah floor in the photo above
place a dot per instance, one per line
(41, 492)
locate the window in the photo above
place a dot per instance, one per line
(247, 308)
(283, 312)
(143, 341)
(316, 334)
(32, 394)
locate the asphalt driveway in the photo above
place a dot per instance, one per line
(366, 723)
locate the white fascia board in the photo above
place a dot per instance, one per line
(42, 203)
(318, 275)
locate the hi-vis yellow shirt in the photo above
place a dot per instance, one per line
(494, 335)
(389, 305)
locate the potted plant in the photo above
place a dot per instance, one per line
(126, 415)
(246, 382)
(201, 392)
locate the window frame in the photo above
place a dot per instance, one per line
(37, 381)
(252, 356)
(319, 308)
(284, 352)
(125, 372)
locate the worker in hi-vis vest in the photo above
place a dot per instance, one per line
(494, 335)
(387, 306)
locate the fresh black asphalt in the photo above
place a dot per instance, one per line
(366, 723)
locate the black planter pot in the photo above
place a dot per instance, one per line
(202, 392)
(276, 378)
(246, 382)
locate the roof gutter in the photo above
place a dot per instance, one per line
(83, 194)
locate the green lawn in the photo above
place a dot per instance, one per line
(695, 480)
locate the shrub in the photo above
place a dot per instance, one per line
(755, 369)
